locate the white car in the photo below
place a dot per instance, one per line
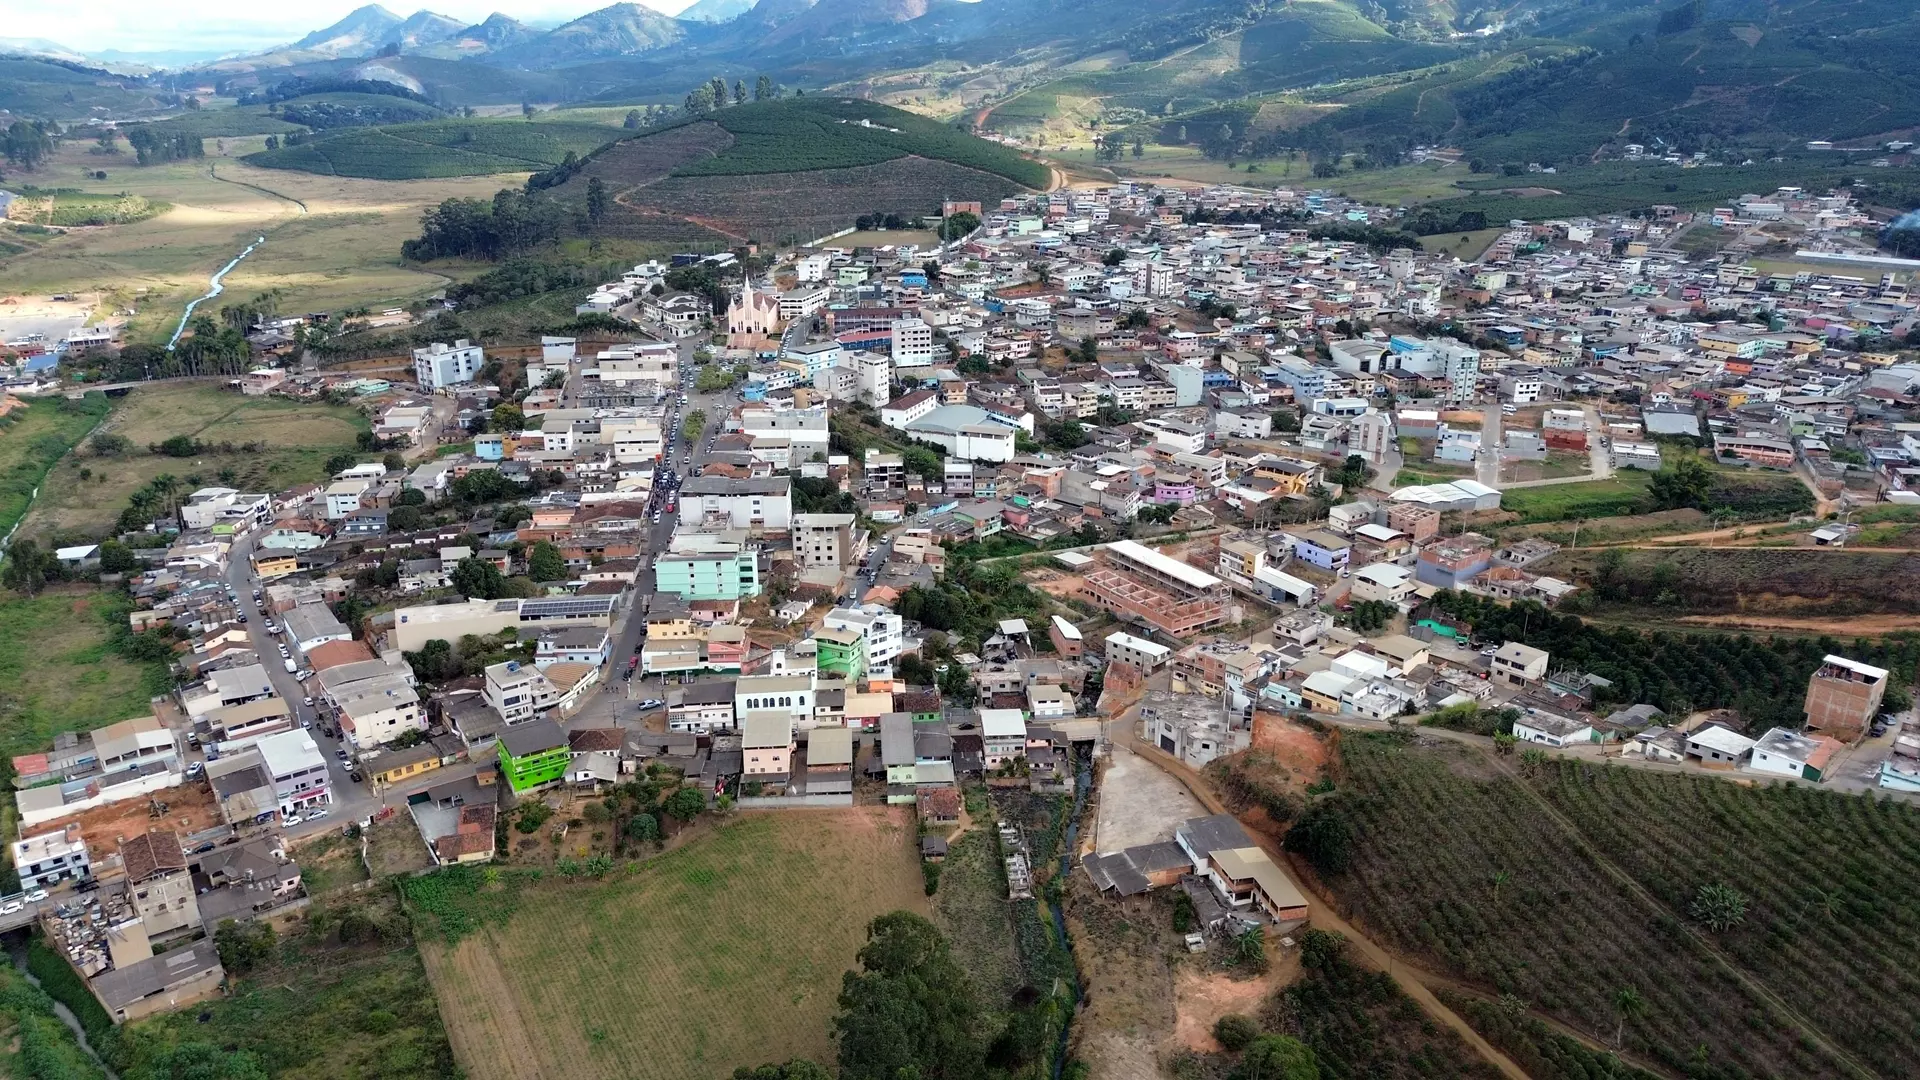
(315, 815)
(35, 896)
(13, 907)
(308, 702)
(292, 820)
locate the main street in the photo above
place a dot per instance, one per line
(352, 801)
(616, 703)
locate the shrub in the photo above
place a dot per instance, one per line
(1235, 1031)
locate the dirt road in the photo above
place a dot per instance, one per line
(1408, 978)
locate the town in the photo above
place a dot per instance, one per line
(1118, 486)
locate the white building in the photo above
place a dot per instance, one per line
(790, 694)
(1124, 648)
(880, 627)
(967, 432)
(51, 857)
(519, 692)
(759, 505)
(902, 411)
(439, 365)
(298, 769)
(912, 343)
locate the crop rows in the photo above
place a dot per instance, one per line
(817, 134)
(798, 206)
(1467, 874)
(441, 148)
(1834, 884)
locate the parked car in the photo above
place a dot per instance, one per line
(315, 815)
(292, 820)
(341, 753)
(307, 701)
(13, 907)
(35, 896)
(204, 848)
(652, 703)
(355, 776)
(303, 674)
(242, 617)
(196, 769)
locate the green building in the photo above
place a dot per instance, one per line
(533, 754)
(840, 652)
(729, 573)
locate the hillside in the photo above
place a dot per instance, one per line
(40, 87)
(438, 148)
(795, 169)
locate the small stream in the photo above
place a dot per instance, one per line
(214, 289)
(7, 540)
(65, 1014)
(1083, 783)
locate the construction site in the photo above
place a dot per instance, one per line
(1141, 585)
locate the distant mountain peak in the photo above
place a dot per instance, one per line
(715, 11)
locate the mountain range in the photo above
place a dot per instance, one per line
(1534, 80)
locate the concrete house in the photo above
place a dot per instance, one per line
(1784, 752)
(1004, 732)
(1714, 744)
(1547, 729)
(1515, 664)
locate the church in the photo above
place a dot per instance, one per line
(753, 316)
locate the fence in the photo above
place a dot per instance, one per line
(792, 802)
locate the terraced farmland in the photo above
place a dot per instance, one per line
(1466, 867)
(728, 951)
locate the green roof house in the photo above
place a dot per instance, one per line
(533, 754)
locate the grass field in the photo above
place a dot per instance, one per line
(728, 951)
(298, 437)
(58, 672)
(321, 1010)
(342, 250)
(1623, 493)
(1617, 855)
(32, 440)
(1467, 247)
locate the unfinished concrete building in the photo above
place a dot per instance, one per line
(1139, 583)
(1843, 697)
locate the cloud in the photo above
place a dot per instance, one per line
(241, 25)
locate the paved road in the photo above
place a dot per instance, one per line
(616, 702)
(351, 801)
(1486, 465)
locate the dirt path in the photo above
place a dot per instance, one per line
(486, 1029)
(1409, 979)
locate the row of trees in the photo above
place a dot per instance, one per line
(712, 94)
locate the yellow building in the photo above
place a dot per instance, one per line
(273, 564)
(395, 766)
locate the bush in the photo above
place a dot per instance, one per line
(1236, 1031)
(64, 985)
(1324, 837)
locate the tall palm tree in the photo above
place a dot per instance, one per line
(1628, 1003)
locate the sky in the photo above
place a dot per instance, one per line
(225, 26)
